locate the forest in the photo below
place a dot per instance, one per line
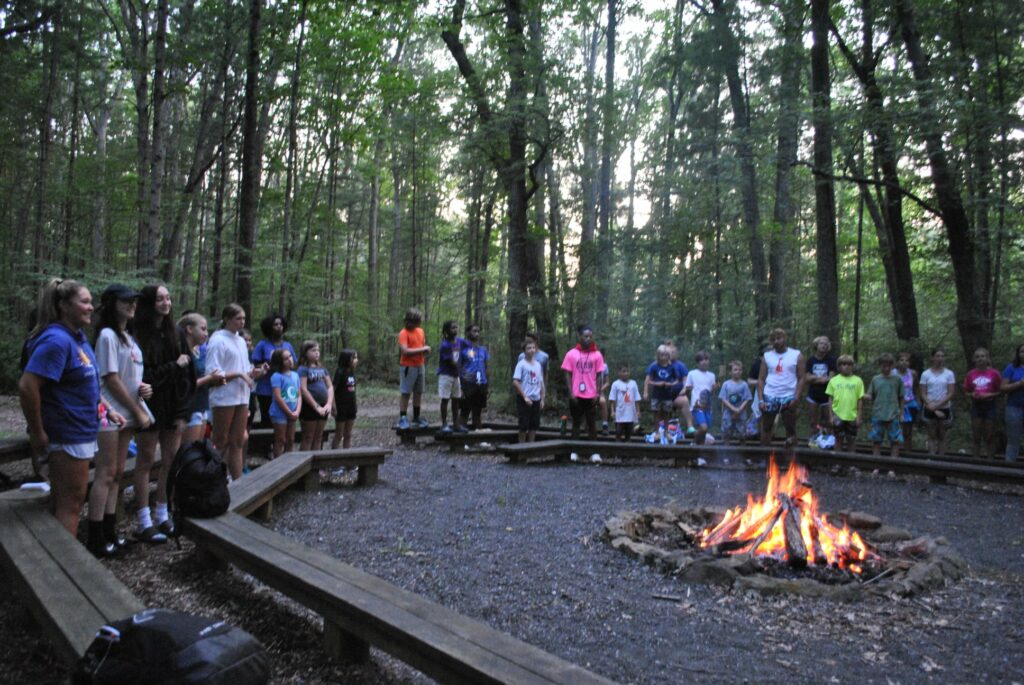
(700, 170)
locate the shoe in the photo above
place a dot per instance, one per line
(446, 430)
(595, 458)
(167, 528)
(423, 423)
(604, 429)
(103, 550)
(461, 429)
(403, 423)
(574, 457)
(150, 536)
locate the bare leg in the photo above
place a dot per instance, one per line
(105, 471)
(69, 479)
(170, 441)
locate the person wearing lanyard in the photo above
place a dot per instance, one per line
(582, 366)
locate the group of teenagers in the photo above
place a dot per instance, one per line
(751, 405)
(150, 378)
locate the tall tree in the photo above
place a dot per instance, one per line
(827, 280)
(251, 163)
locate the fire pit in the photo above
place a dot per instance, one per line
(782, 543)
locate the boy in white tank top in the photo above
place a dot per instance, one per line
(780, 386)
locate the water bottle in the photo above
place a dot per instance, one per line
(661, 433)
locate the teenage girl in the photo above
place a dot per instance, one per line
(284, 412)
(344, 407)
(229, 402)
(317, 396)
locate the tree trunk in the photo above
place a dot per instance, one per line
(50, 64)
(827, 280)
(249, 192)
(608, 140)
(586, 300)
(972, 327)
(151, 239)
(783, 242)
(730, 51)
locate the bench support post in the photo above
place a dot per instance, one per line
(367, 475)
(265, 511)
(343, 646)
(310, 482)
(407, 439)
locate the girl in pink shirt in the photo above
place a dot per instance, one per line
(982, 386)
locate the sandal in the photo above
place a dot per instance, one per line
(167, 528)
(150, 536)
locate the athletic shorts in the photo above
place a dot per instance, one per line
(702, 417)
(529, 415)
(819, 401)
(198, 418)
(986, 410)
(910, 412)
(773, 405)
(663, 406)
(84, 450)
(449, 387)
(410, 380)
(879, 429)
(930, 417)
(846, 429)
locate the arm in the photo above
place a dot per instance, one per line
(279, 401)
(761, 376)
(568, 384)
(116, 388)
(298, 406)
(860, 408)
(519, 388)
(30, 388)
(329, 407)
(801, 374)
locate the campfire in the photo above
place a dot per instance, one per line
(786, 525)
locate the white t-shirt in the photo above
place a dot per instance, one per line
(780, 372)
(124, 359)
(700, 381)
(531, 377)
(936, 385)
(625, 395)
(227, 353)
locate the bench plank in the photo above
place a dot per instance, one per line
(261, 485)
(69, 592)
(430, 637)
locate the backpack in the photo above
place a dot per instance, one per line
(159, 646)
(197, 485)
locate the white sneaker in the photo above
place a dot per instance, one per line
(574, 457)
(595, 458)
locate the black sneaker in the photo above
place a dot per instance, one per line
(167, 528)
(150, 536)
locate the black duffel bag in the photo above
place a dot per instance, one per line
(161, 647)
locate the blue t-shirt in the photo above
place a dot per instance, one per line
(660, 374)
(682, 372)
(260, 354)
(449, 358)
(1012, 374)
(71, 400)
(201, 400)
(289, 384)
(474, 364)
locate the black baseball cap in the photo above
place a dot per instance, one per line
(118, 292)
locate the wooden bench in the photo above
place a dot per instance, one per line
(67, 590)
(255, 492)
(408, 435)
(360, 610)
(261, 440)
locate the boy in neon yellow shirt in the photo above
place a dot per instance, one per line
(847, 393)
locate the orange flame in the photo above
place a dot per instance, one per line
(764, 520)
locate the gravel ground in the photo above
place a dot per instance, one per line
(519, 548)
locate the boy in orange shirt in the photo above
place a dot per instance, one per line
(412, 358)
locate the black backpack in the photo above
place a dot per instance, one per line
(197, 485)
(162, 647)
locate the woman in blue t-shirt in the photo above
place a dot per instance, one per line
(60, 396)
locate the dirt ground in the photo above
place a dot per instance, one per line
(519, 548)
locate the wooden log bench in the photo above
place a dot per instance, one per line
(408, 436)
(67, 590)
(360, 610)
(254, 493)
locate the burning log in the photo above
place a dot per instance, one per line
(768, 529)
(796, 550)
(819, 554)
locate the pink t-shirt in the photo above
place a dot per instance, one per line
(584, 367)
(985, 381)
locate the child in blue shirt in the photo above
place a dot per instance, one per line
(284, 411)
(449, 386)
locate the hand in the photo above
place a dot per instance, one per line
(528, 401)
(218, 378)
(183, 361)
(145, 390)
(117, 418)
(542, 405)
(40, 444)
(858, 422)
(426, 349)
(324, 411)
(142, 418)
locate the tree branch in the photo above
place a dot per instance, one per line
(870, 181)
(45, 15)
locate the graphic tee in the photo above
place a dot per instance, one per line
(531, 377)
(845, 391)
(289, 385)
(625, 395)
(584, 367)
(659, 373)
(124, 359)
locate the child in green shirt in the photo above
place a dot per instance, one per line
(847, 393)
(886, 406)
